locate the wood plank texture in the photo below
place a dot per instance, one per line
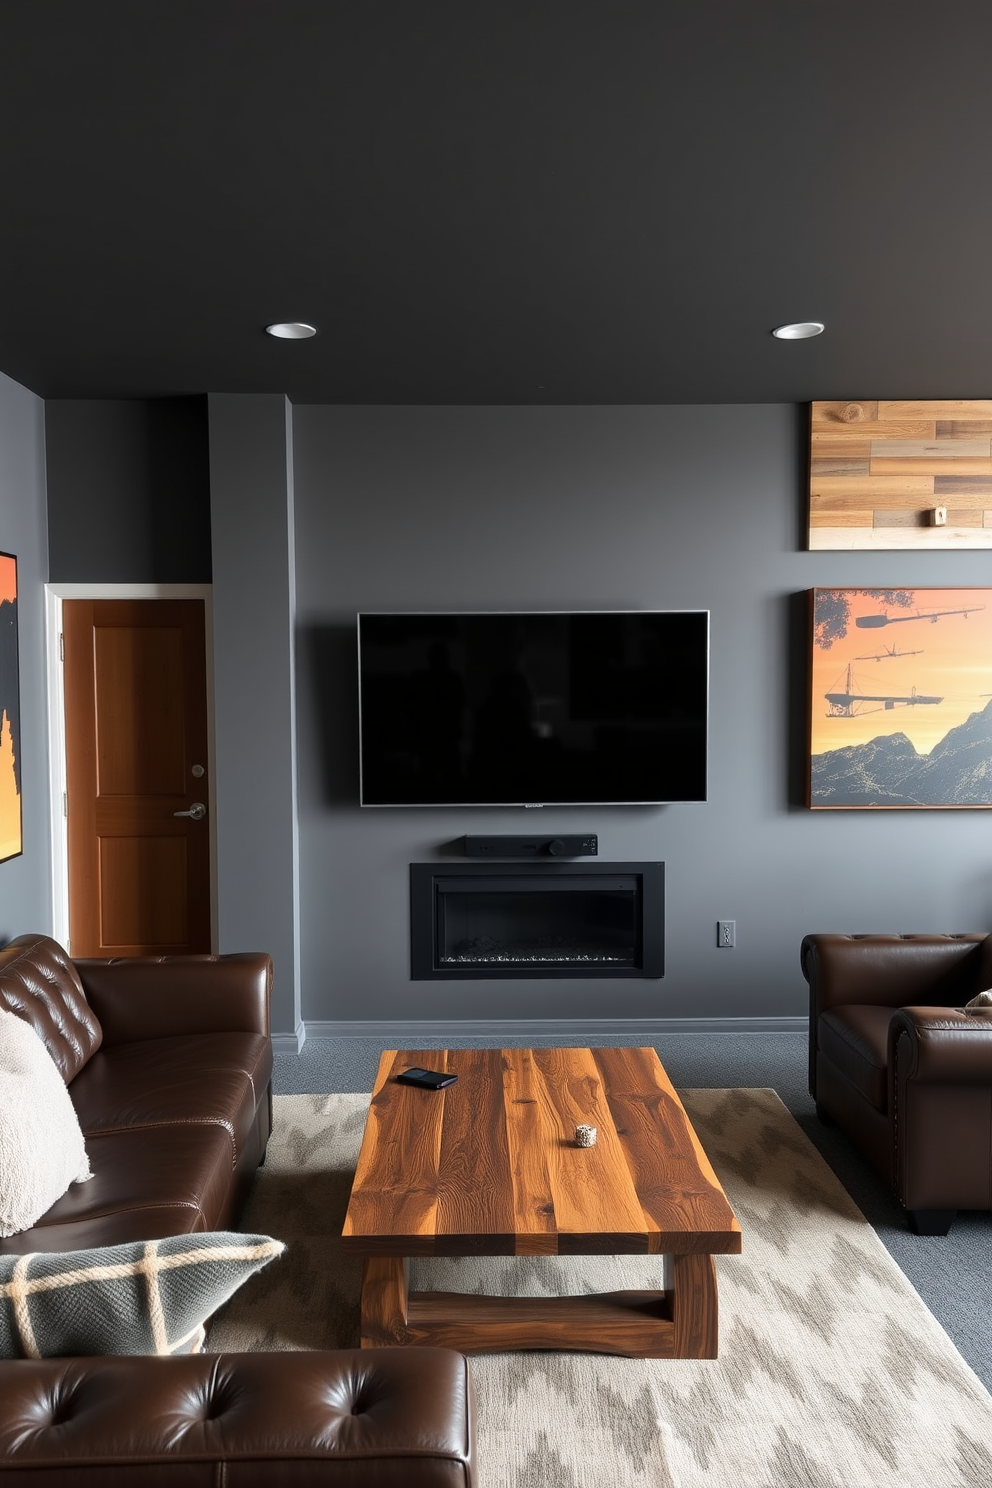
(878, 469)
(862, 517)
(834, 465)
(533, 1195)
(962, 486)
(963, 409)
(835, 538)
(596, 1206)
(672, 1176)
(930, 464)
(489, 1166)
(396, 1178)
(876, 487)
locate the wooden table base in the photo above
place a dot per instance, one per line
(677, 1323)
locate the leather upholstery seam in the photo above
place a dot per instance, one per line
(252, 1075)
(22, 952)
(116, 1131)
(107, 1213)
(969, 1029)
(860, 1047)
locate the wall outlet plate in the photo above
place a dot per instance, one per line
(726, 934)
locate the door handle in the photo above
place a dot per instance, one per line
(197, 811)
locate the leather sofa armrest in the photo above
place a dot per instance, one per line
(395, 1417)
(159, 997)
(941, 1046)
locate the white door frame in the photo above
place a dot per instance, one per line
(54, 596)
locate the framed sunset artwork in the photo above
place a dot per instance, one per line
(901, 699)
(11, 839)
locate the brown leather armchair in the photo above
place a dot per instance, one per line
(901, 1068)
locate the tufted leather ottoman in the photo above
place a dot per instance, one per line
(347, 1418)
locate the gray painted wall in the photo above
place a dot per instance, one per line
(128, 490)
(25, 882)
(251, 479)
(611, 507)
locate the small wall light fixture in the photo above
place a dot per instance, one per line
(799, 330)
(291, 330)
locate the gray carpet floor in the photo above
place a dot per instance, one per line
(951, 1273)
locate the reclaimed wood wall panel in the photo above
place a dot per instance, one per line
(880, 471)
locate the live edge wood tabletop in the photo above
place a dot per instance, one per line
(490, 1166)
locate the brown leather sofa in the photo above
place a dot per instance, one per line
(168, 1062)
(901, 1068)
(169, 1065)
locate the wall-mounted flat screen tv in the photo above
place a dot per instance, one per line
(533, 708)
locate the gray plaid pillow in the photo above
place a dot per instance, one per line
(149, 1297)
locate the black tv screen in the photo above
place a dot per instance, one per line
(533, 708)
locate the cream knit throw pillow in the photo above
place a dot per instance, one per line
(41, 1146)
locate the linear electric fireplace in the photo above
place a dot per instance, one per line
(472, 920)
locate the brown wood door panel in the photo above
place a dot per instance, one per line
(140, 746)
(143, 891)
(135, 705)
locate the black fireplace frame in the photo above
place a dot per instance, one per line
(424, 920)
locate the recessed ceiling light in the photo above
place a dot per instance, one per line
(800, 330)
(292, 330)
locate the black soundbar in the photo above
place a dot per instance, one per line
(586, 846)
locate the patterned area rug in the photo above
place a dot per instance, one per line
(832, 1373)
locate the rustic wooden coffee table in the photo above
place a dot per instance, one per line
(490, 1166)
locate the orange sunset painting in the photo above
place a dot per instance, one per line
(901, 702)
(10, 746)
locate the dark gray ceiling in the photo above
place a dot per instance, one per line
(476, 202)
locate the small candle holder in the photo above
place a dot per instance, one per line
(585, 1136)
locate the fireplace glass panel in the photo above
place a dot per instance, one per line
(537, 920)
(550, 923)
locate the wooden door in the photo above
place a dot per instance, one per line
(136, 765)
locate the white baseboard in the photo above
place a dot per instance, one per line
(413, 1034)
(289, 1043)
